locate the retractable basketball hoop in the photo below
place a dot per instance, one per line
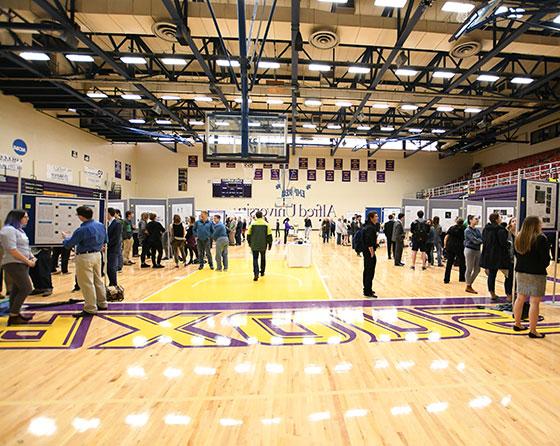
(267, 138)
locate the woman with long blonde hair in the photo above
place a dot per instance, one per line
(532, 253)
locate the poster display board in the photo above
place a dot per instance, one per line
(158, 209)
(410, 212)
(540, 198)
(49, 217)
(388, 211)
(506, 212)
(120, 205)
(7, 203)
(477, 211)
(184, 210)
(447, 217)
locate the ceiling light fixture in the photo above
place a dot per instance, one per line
(380, 105)
(415, 130)
(268, 64)
(487, 78)
(355, 69)
(313, 102)
(522, 80)
(131, 97)
(239, 100)
(406, 72)
(387, 128)
(334, 126)
(203, 99)
(319, 67)
(173, 61)
(34, 55)
(96, 94)
(273, 101)
(195, 122)
(137, 121)
(437, 131)
(278, 125)
(222, 123)
(443, 74)
(309, 126)
(445, 108)
(472, 110)
(79, 57)
(170, 97)
(409, 107)
(390, 3)
(227, 63)
(343, 104)
(458, 7)
(557, 19)
(133, 60)
(163, 121)
(254, 124)
(363, 127)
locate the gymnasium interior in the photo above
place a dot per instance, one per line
(308, 112)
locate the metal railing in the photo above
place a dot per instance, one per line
(542, 171)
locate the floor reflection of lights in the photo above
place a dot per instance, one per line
(172, 372)
(319, 416)
(83, 424)
(274, 368)
(343, 367)
(437, 407)
(439, 364)
(313, 369)
(42, 426)
(271, 421)
(381, 364)
(137, 419)
(204, 371)
(136, 371)
(230, 422)
(176, 419)
(480, 402)
(353, 413)
(401, 410)
(244, 367)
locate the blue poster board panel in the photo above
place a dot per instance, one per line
(372, 209)
(50, 216)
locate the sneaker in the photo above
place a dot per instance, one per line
(469, 289)
(262, 273)
(47, 293)
(144, 265)
(36, 291)
(17, 320)
(159, 266)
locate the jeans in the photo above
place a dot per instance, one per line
(18, 274)
(399, 246)
(112, 267)
(286, 231)
(439, 252)
(451, 257)
(369, 271)
(492, 273)
(222, 253)
(472, 260)
(256, 268)
(178, 247)
(430, 253)
(203, 247)
(41, 273)
(145, 250)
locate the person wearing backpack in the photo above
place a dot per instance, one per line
(398, 239)
(366, 239)
(454, 244)
(420, 232)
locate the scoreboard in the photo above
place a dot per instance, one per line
(236, 188)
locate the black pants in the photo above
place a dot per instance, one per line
(238, 238)
(277, 233)
(156, 248)
(112, 267)
(369, 271)
(41, 273)
(135, 244)
(390, 246)
(451, 258)
(338, 238)
(286, 231)
(430, 252)
(398, 247)
(64, 255)
(145, 250)
(256, 268)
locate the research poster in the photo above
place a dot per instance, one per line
(410, 215)
(476, 210)
(158, 209)
(447, 217)
(53, 216)
(507, 213)
(541, 200)
(185, 210)
(389, 211)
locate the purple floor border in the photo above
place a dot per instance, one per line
(275, 305)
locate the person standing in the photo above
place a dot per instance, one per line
(508, 283)
(438, 241)
(333, 228)
(178, 237)
(420, 232)
(64, 254)
(495, 255)
(120, 259)
(277, 232)
(398, 239)
(41, 273)
(533, 257)
(259, 237)
(219, 234)
(244, 229)
(326, 230)
(369, 248)
(128, 231)
(238, 232)
(473, 241)
(89, 239)
(454, 244)
(191, 241)
(16, 261)
(114, 245)
(143, 239)
(155, 232)
(338, 231)
(287, 228)
(388, 231)
(203, 233)
(308, 225)
(231, 231)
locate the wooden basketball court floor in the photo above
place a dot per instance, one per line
(298, 358)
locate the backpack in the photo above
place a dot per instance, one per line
(358, 240)
(114, 293)
(421, 232)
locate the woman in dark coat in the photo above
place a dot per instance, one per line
(495, 253)
(454, 249)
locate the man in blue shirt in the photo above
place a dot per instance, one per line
(219, 233)
(89, 239)
(203, 232)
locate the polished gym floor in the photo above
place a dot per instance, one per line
(300, 357)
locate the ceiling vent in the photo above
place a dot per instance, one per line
(465, 48)
(324, 39)
(165, 30)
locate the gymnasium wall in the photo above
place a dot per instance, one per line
(51, 142)
(157, 177)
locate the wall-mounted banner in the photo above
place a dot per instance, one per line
(230, 165)
(118, 169)
(215, 165)
(293, 192)
(371, 165)
(338, 164)
(293, 175)
(267, 165)
(389, 165)
(258, 174)
(380, 177)
(312, 175)
(10, 162)
(193, 161)
(303, 163)
(59, 174)
(127, 172)
(274, 174)
(329, 175)
(354, 164)
(346, 176)
(182, 179)
(93, 177)
(19, 147)
(362, 176)
(320, 163)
